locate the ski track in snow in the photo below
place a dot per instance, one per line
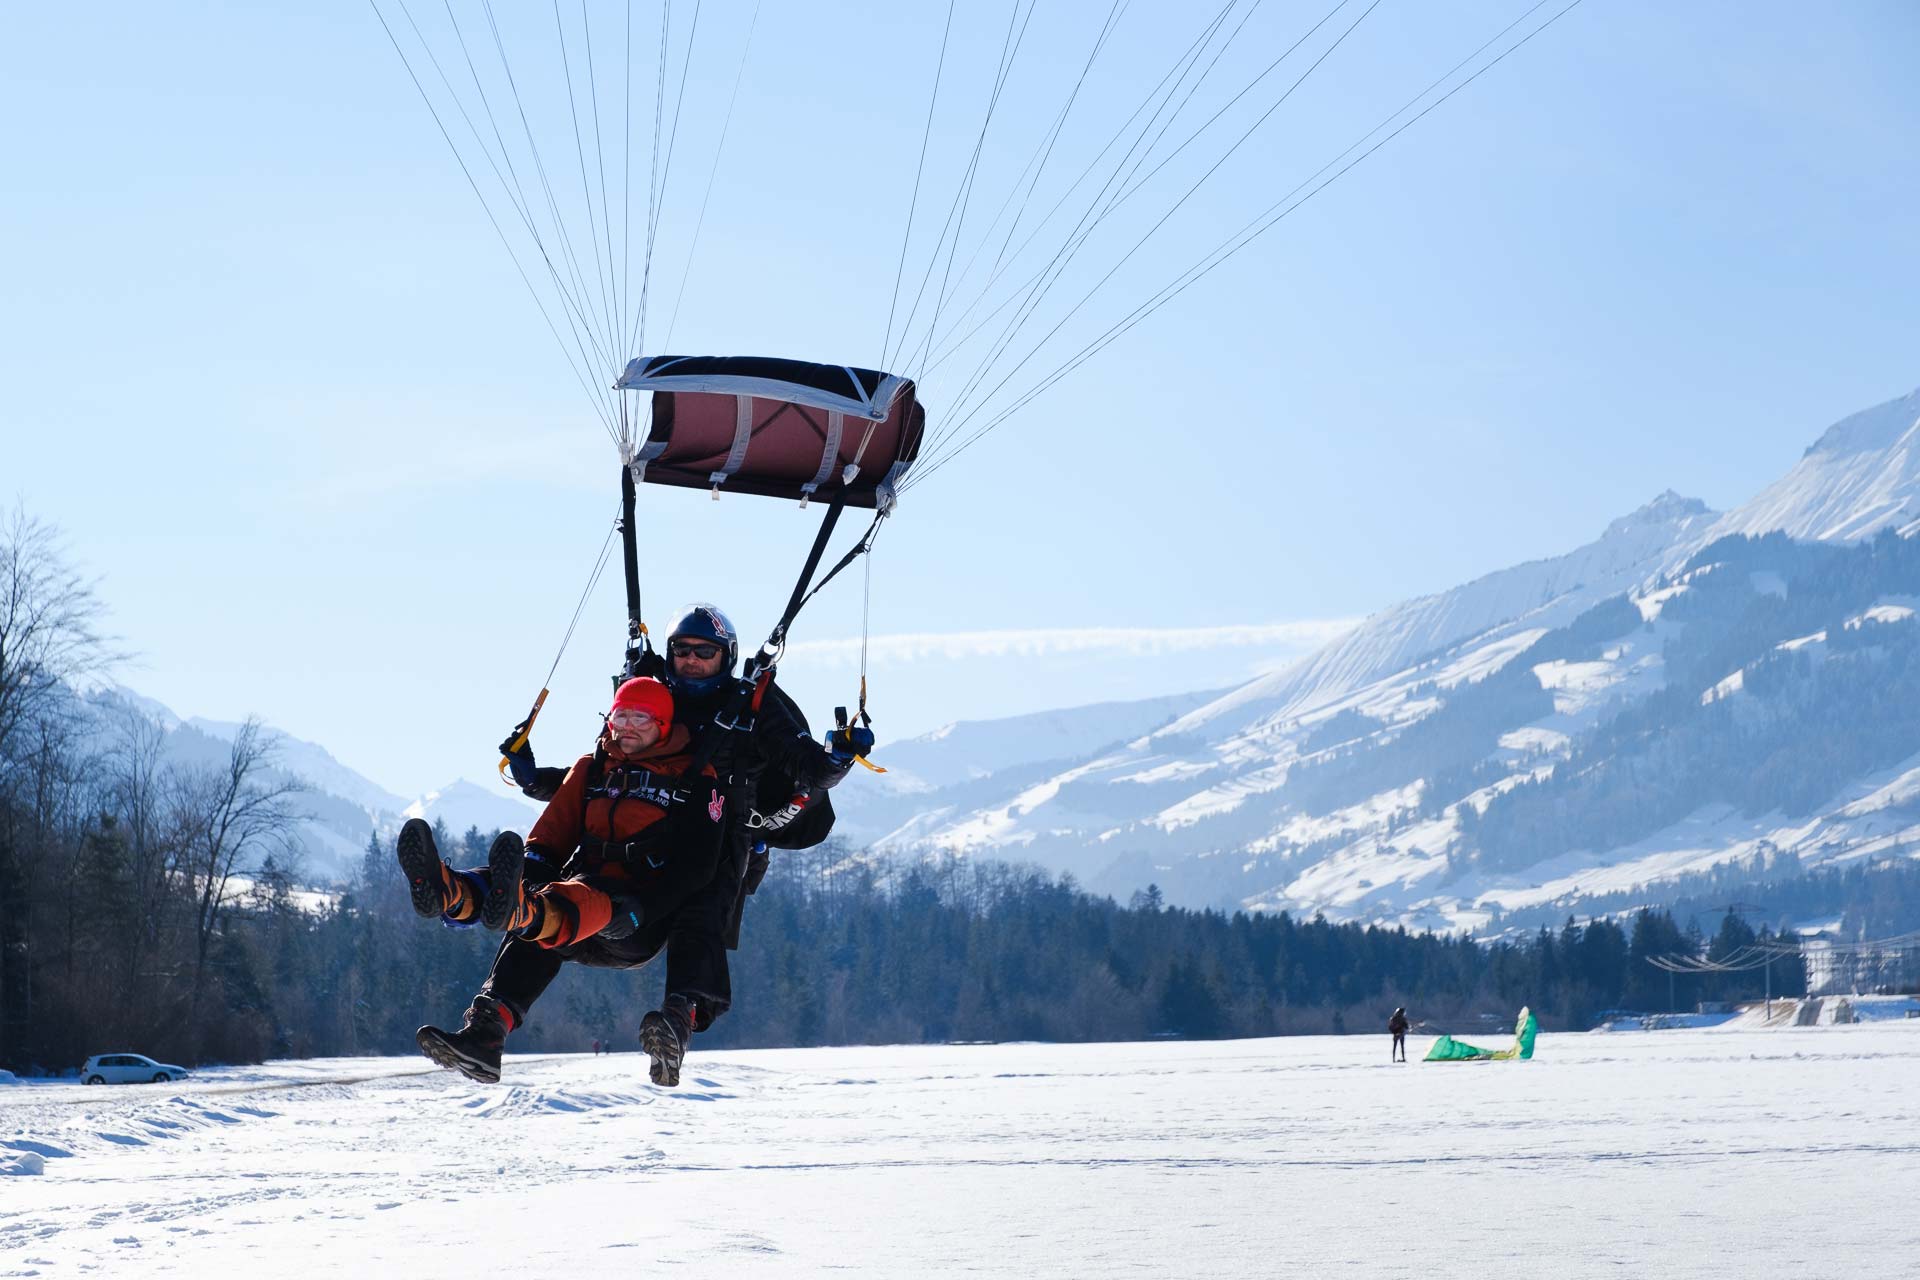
(1677, 1153)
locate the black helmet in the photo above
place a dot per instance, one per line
(702, 621)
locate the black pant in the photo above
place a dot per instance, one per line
(1399, 1045)
(694, 938)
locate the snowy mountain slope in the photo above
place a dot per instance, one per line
(315, 765)
(1861, 476)
(1355, 782)
(975, 748)
(462, 804)
(1542, 592)
(340, 808)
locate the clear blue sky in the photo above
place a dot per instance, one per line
(265, 362)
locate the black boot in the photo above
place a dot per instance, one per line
(420, 863)
(474, 1050)
(504, 861)
(663, 1035)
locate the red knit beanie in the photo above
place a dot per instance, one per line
(644, 693)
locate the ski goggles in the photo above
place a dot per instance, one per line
(695, 649)
(629, 718)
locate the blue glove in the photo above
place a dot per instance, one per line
(844, 744)
(519, 763)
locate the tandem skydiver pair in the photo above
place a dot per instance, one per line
(652, 841)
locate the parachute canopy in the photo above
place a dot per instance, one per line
(777, 428)
(1447, 1049)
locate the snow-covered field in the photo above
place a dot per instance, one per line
(1677, 1153)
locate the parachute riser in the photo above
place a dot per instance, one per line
(638, 658)
(744, 704)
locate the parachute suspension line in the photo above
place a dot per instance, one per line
(580, 296)
(866, 613)
(626, 176)
(860, 716)
(614, 301)
(574, 319)
(972, 177)
(961, 412)
(1087, 171)
(593, 580)
(858, 549)
(1038, 286)
(886, 343)
(1004, 261)
(961, 418)
(1008, 47)
(653, 167)
(665, 165)
(1195, 88)
(1255, 228)
(524, 729)
(673, 317)
(516, 191)
(600, 267)
(1063, 256)
(1036, 164)
(973, 174)
(594, 395)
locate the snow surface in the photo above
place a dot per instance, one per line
(1677, 1153)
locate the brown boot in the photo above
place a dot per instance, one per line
(474, 1050)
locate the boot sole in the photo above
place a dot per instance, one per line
(420, 863)
(434, 1043)
(660, 1043)
(504, 862)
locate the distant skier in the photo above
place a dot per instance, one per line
(626, 841)
(1398, 1025)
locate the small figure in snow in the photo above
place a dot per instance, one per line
(605, 879)
(1398, 1025)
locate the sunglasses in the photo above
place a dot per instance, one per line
(626, 718)
(691, 649)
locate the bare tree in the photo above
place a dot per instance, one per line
(49, 620)
(49, 623)
(226, 816)
(141, 785)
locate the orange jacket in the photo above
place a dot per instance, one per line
(608, 798)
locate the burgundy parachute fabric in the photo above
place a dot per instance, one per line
(778, 428)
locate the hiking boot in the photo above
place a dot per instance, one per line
(504, 861)
(474, 1050)
(663, 1036)
(420, 863)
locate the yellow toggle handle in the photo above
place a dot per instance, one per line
(525, 733)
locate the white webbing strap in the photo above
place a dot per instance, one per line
(829, 454)
(742, 436)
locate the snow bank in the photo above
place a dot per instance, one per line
(22, 1163)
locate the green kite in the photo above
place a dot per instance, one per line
(1447, 1049)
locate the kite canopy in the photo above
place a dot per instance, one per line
(777, 428)
(1447, 1049)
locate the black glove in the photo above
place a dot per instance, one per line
(846, 743)
(627, 918)
(536, 867)
(757, 863)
